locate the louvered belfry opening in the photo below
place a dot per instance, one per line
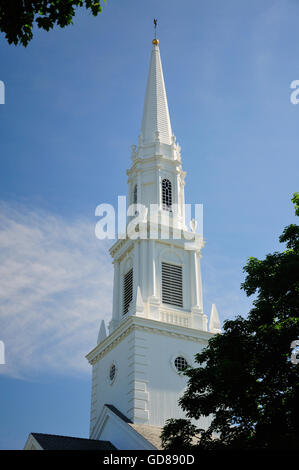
(166, 195)
(172, 284)
(135, 194)
(128, 290)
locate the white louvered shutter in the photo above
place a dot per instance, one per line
(128, 290)
(172, 284)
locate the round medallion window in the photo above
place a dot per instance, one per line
(180, 363)
(112, 372)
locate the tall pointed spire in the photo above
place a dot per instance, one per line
(155, 121)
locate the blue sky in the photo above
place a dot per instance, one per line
(73, 108)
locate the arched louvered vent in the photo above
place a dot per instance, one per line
(166, 195)
(135, 194)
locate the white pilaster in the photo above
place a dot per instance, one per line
(135, 269)
(154, 301)
(144, 268)
(116, 299)
(199, 319)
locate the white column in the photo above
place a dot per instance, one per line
(198, 256)
(195, 280)
(199, 319)
(158, 182)
(178, 195)
(152, 270)
(183, 202)
(144, 269)
(116, 300)
(135, 269)
(154, 301)
(139, 195)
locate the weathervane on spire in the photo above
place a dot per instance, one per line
(155, 26)
(155, 41)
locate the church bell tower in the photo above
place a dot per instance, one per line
(158, 323)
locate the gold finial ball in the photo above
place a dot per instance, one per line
(156, 42)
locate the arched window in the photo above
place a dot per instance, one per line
(166, 195)
(135, 194)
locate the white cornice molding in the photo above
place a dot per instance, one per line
(134, 323)
(154, 159)
(123, 246)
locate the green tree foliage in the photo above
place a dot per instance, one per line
(18, 16)
(245, 379)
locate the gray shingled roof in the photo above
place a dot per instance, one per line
(54, 442)
(150, 433)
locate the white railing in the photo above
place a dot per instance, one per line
(176, 318)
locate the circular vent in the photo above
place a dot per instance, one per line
(180, 363)
(112, 372)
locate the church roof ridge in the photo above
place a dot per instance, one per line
(64, 436)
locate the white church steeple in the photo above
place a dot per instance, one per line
(158, 322)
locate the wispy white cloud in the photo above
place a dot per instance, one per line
(56, 286)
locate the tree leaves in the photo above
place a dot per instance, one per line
(245, 378)
(17, 17)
